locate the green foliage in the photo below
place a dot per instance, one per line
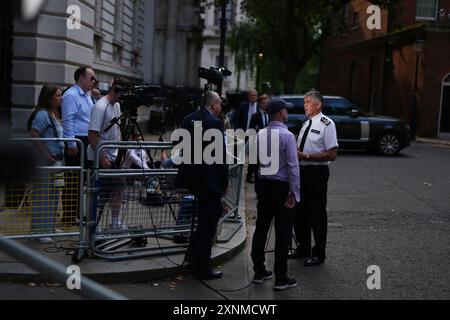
(288, 32)
(244, 43)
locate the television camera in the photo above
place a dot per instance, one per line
(214, 76)
(133, 97)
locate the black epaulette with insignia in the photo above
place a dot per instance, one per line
(325, 121)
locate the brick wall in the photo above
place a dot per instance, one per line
(436, 65)
(377, 71)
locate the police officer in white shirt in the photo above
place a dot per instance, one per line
(317, 147)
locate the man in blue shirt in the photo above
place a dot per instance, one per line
(76, 111)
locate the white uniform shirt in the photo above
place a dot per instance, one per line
(322, 137)
(101, 116)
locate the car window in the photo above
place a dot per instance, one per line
(340, 107)
(327, 109)
(298, 105)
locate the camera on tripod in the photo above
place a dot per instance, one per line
(132, 97)
(214, 75)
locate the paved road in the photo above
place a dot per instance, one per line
(389, 212)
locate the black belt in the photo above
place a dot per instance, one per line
(314, 167)
(274, 181)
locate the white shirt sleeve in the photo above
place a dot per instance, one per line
(331, 137)
(96, 119)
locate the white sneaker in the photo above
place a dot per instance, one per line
(120, 226)
(45, 241)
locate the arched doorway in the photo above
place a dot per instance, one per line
(444, 119)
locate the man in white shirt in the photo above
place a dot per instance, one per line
(100, 130)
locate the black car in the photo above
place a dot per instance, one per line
(355, 129)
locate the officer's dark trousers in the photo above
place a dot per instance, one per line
(273, 197)
(209, 212)
(312, 212)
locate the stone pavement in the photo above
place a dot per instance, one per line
(101, 270)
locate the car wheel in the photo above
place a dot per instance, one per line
(389, 144)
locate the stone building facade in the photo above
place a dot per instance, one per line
(211, 44)
(152, 41)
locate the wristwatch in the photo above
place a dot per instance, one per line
(308, 157)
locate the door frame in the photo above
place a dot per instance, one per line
(444, 84)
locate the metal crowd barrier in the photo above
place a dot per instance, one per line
(139, 213)
(231, 204)
(49, 205)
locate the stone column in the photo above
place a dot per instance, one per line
(149, 40)
(171, 43)
(192, 67)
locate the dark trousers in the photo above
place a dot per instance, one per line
(70, 194)
(252, 171)
(257, 183)
(209, 212)
(312, 211)
(273, 196)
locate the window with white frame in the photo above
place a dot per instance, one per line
(98, 46)
(426, 9)
(117, 53)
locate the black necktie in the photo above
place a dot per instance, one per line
(265, 120)
(305, 135)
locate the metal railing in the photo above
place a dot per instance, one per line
(57, 272)
(49, 205)
(139, 213)
(119, 213)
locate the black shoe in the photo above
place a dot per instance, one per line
(180, 239)
(297, 254)
(261, 277)
(314, 261)
(285, 284)
(212, 275)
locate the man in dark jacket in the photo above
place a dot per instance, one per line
(208, 183)
(243, 118)
(260, 120)
(246, 110)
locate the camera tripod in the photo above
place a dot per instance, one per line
(128, 126)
